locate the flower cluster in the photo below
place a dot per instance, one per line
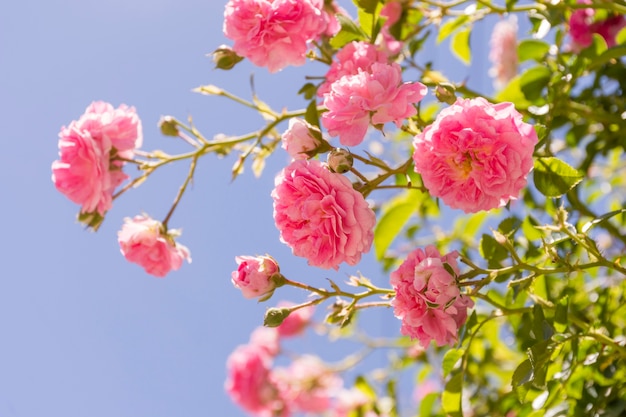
(475, 155)
(428, 300)
(369, 97)
(92, 152)
(274, 33)
(503, 52)
(320, 216)
(583, 25)
(146, 242)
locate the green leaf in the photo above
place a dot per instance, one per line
(606, 56)
(620, 38)
(450, 359)
(369, 6)
(349, 32)
(560, 315)
(450, 26)
(451, 397)
(532, 49)
(426, 405)
(533, 81)
(362, 385)
(553, 177)
(523, 374)
(460, 46)
(308, 90)
(600, 219)
(311, 114)
(513, 93)
(395, 215)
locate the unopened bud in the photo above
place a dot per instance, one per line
(274, 316)
(225, 58)
(168, 126)
(446, 93)
(340, 160)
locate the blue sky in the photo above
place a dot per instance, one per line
(85, 333)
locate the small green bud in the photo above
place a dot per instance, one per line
(340, 160)
(274, 316)
(446, 93)
(225, 58)
(168, 126)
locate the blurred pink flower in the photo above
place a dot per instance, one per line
(254, 275)
(503, 53)
(145, 241)
(330, 10)
(428, 300)
(347, 401)
(476, 155)
(320, 216)
(298, 140)
(266, 338)
(582, 26)
(308, 385)
(353, 57)
(250, 383)
(375, 97)
(296, 322)
(393, 12)
(273, 33)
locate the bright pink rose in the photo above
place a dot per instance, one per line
(118, 128)
(296, 322)
(266, 338)
(145, 241)
(82, 172)
(582, 26)
(254, 275)
(503, 53)
(273, 33)
(375, 97)
(476, 155)
(320, 216)
(250, 383)
(353, 57)
(308, 385)
(428, 300)
(298, 140)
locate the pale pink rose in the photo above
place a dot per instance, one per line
(118, 128)
(273, 33)
(330, 10)
(320, 216)
(475, 155)
(353, 57)
(583, 24)
(296, 322)
(388, 43)
(145, 241)
(428, 300)
(250, 383)
(308, 385)
(298, 140)
(375, 97)
(266, 338)
(254, 276)
(503, 52)
(82, 172)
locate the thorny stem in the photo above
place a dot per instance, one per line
(181, 190)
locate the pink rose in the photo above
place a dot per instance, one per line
(267, 339)
(582, 26)
(320, 216)
(393, 12)
(296, 322)
(353, 57)
(145, 241)
(428, 300)
(475, 155)
(503, 53)
(308, 385)
(375, 97)
(82, 172)
(298, 140)
(273, 33)
(250, 383)
(254, 277)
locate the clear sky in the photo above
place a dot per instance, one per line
(85, 333)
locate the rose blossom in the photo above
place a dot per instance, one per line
(295, 323)
(266, 338)
(353, 57)
(428, 300)
(582, 26)
(298, 140)
(476, 155)
(250, 382)
(503, 53)
(254, 275)
(320, 216)
(145, 242)
(273, 33)
(393, 12)
(375, 97)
